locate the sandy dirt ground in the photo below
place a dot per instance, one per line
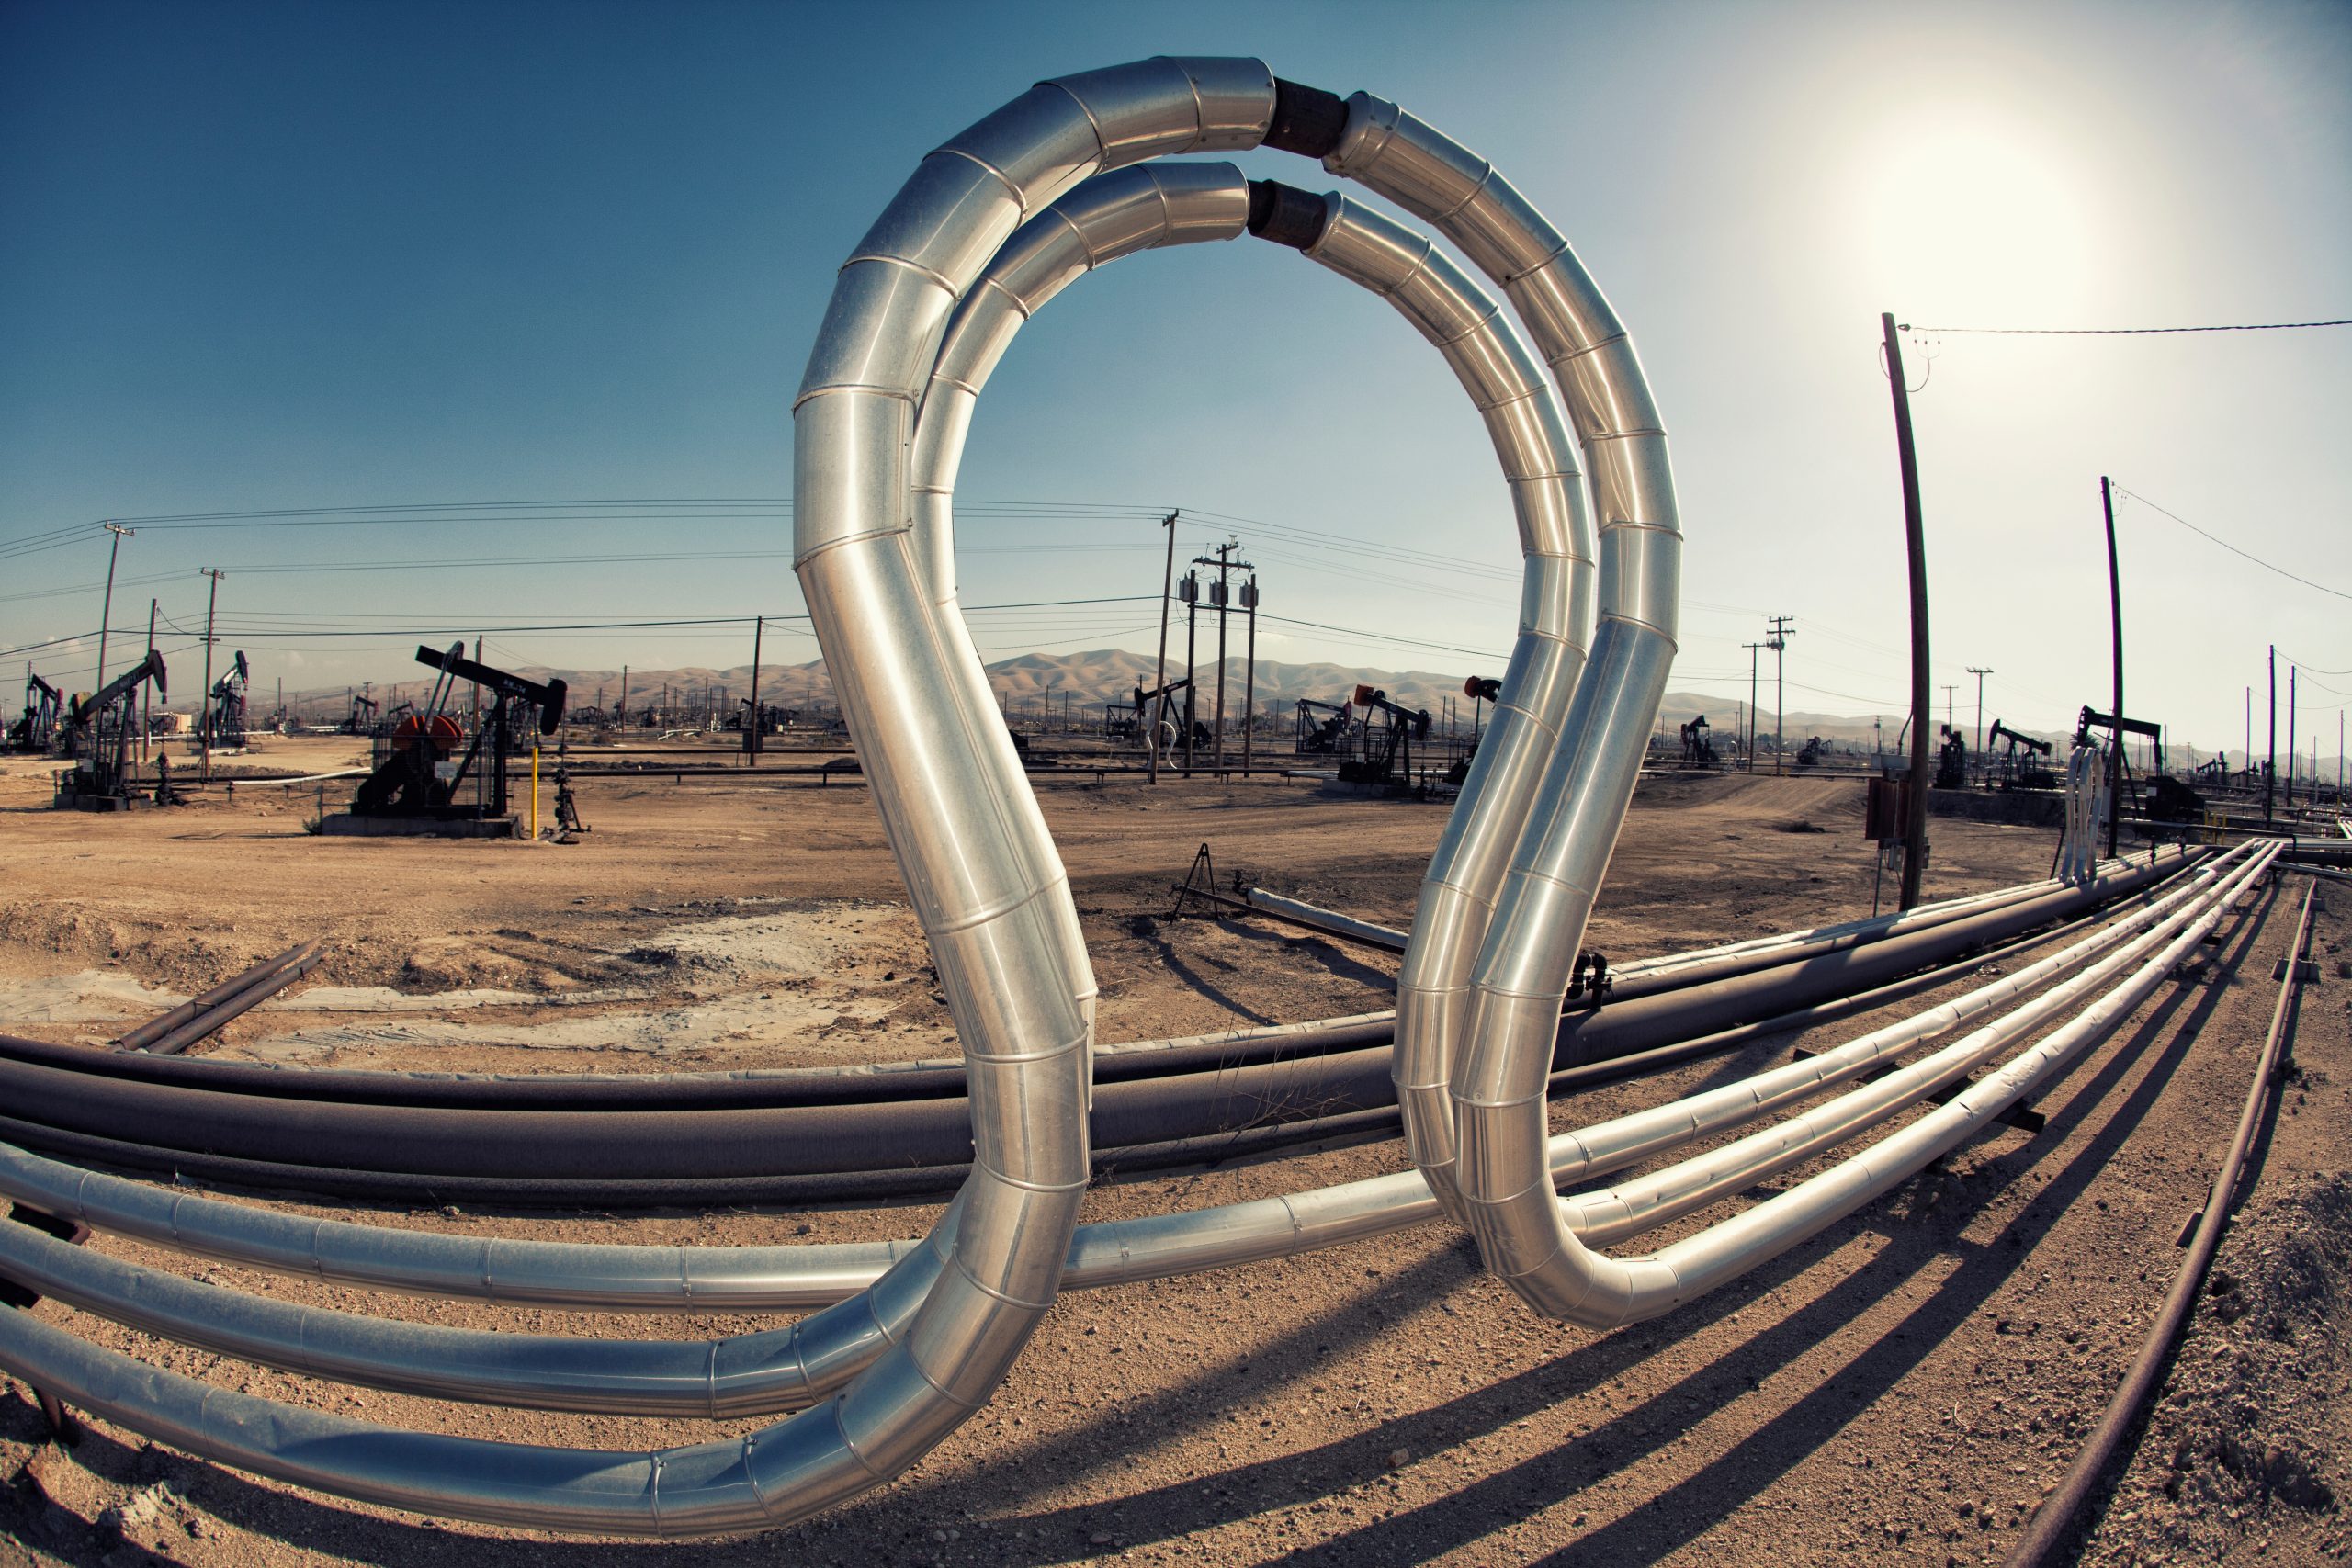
(1902, 1388)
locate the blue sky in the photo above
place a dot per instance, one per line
(259, 257)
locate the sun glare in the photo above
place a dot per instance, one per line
(1963, 216)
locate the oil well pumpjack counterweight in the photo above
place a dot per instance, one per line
(419, 770)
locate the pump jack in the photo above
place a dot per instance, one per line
(2025, 774)
(1951, 760)
(1698, 751)
(2168, 799)
(36, 729)
(98, 727)
(1387, 759)
(1322, 737)
(226, 717)
(415, 775)
(1162, 726)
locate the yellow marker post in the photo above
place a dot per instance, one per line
(535, 794)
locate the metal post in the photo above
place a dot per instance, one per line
(2115, 621)
(1915, 834)
(1249, 680)
(1778, 643)
(759, 628)
(204, 727)
(146, 691)
(1748, 736)
(1150, 726)
(106, 611)
(2292, 672)
(1980, 674)
(2270, 767)
(1224, 594)
(1192, 629)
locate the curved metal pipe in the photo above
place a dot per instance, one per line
(1605, 1291)
(781, 1370)
(1522, 968)
(984, 881)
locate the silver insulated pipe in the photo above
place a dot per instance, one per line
(990, 227)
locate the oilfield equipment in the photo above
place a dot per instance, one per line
(2016, 773)
(224, 712)
(2166, 798)
(1323, 729)
(1698, 749)
(1951, 759)
(1384, 758)
(98, 734)
(914, 1336)
(361, 719)
(35, 731)
(424, 760)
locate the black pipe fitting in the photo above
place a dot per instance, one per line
(1286, 215)
(1307, 120)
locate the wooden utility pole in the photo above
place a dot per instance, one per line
(146, 711)
(751, 743)
(1784, 628)
(1747, 725)
(1189, 591)
(105, 608)
(204, 710)
(2270, 767)
(2115, 624)
(1915, 830)
(1249, 680)
(2292, 671)
(1145, 722)
(1980, 674)
(1221, 599)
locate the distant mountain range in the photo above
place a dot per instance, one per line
(1087, 680)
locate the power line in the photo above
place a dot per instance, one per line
(2132, 332)
(2258, 560)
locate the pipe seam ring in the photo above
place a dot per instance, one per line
(931, 275)
(871, 389)
(1045, 1188)
(993, 1294)
(1102, 142)
(949, 149)
(1561, 362)
(996, 911)
(1639, 624)
(842, 541)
